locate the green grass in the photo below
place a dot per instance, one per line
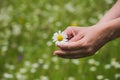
(26, 29)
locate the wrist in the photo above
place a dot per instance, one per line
(110, 29)
(104, 32)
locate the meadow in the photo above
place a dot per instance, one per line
(26, 46)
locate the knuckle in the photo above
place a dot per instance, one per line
(83, 44)
(70, 47)
(89, 48)
(69, 28)
(67, 47)
(91, 51)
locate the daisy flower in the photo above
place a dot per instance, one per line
(59, 37)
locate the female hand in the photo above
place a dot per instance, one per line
(83, 41)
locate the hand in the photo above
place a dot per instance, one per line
(83, 41)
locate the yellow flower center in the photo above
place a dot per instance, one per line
(74, 24)
(60, 38)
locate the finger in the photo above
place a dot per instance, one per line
(75, 55)
(71, 54)
(70, 31)
(76, 38)
(67, 52)
(71, 57)
(71, 45)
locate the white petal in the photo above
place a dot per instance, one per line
(55, 34)
(59, 32)
(54, 37)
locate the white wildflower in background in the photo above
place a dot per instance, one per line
(100, 77)
(115, 64)
(45, 66)
(51, 19)
(40, 61)
(44, 77)
(5, 15)
(49, 43)
(23, 70)
(9, 66)
(106, 79)
(4, 48)
(91, 61)
(93, 68)
(58, 24)
(109, 1)
(75, 62)
(20, 49)
(69, 7)
(117, 76)
(7, 75)
(71, 78)
(33, 70)
(107, 66)
(60, 37)
(16, 29)
(27, 63)
(97, 63)
(20, 76)
(55, 59)
(35, 65)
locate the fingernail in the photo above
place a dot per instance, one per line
(62, 44)
(58, 45)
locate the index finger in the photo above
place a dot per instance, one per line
(70, 31)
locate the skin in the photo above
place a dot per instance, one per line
(85, 41)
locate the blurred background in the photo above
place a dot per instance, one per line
(26, 47)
